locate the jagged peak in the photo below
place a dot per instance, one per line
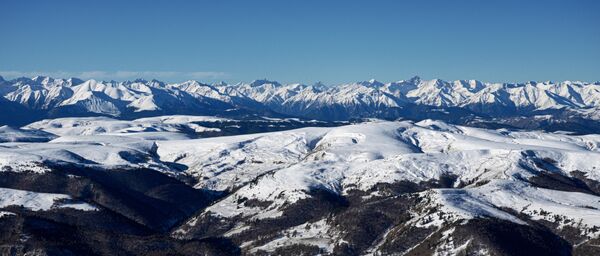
(471, 84)
(264, 81)
(42, 79)
(415, 79)
(533, 83)
(157, 82)
(371, 83)
(140, 80)
(319, 84)
(194, 83)
(436, 82)
(38, 78)
(75, 81)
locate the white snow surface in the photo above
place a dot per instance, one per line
(361, 156)
(36, 201)
(104, 125)
(5, 213)
(11, 134)
(98, 141)
(316, 234)
(491, 166)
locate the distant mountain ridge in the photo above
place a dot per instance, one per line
(460, 101)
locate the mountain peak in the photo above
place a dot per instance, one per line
(319, 84)
(41, 79)
(414, 79)
(371, 83)
(260, 82)
(437, 82)
(75, 81)
(157, 82)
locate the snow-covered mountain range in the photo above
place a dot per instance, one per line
(412, 167)
(463, 101)
(175, 185)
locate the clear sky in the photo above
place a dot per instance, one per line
(302, 41)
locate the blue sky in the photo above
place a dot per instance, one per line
(302, 41)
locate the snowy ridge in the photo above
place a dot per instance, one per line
(367, 186)
(360, 156)
(39, 201)
(491, 169)
(60, 97)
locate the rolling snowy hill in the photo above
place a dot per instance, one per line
(176, 185)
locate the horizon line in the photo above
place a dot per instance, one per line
(372, 80)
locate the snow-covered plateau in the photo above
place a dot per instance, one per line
(210, 185)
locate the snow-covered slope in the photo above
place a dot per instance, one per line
(39, 201)
(10, 134)
(377, 187)
(73, 97)
(487, 174)
(102, 125)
